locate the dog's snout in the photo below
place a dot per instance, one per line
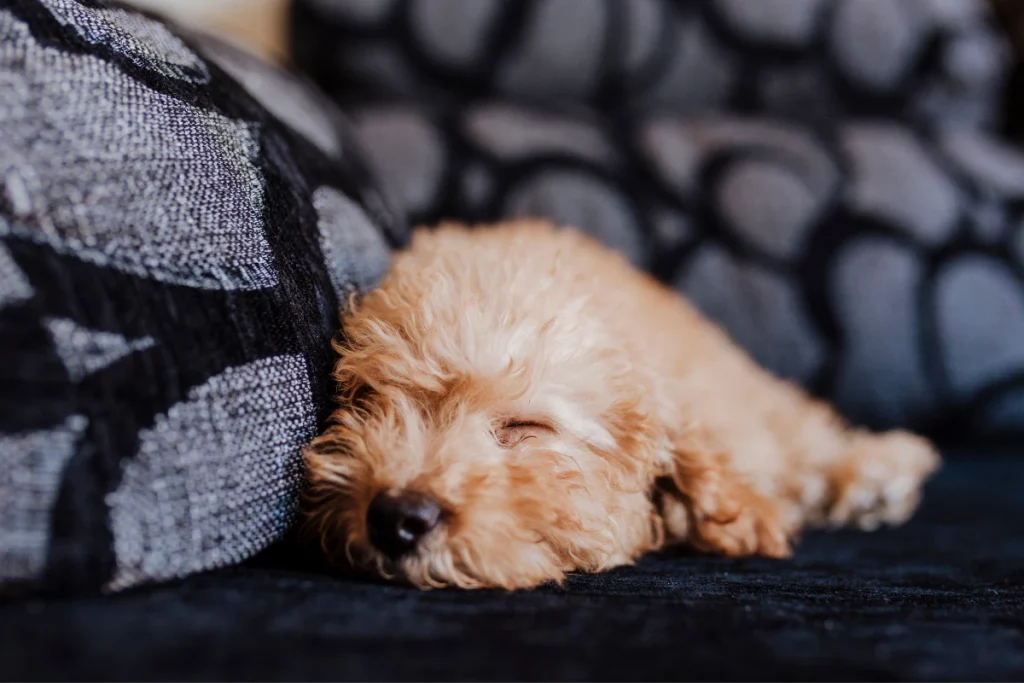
(396, 523)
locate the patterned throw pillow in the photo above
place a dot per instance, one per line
(936, 60)
(178, 226)
(882, 266)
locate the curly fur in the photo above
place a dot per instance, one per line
(570, 413)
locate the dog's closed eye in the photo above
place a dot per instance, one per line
(511, 432)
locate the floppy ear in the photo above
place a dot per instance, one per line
(705, 502)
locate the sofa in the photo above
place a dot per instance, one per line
(835, 182)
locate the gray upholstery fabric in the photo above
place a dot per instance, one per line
(876, 263)
(179, 225)
(935, 60)
(820, 176)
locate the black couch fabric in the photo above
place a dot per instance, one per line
(939, 599)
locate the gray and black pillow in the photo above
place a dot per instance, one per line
(179, 225)
(879, 264)
(926, 60)
(813, 173)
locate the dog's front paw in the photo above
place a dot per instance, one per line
(879, 480)
(757, 527)
(724, 513)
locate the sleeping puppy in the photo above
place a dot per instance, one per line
(518, 402)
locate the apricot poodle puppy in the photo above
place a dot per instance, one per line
(518, 402)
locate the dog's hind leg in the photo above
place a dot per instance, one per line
(878, 479)
(843, 476)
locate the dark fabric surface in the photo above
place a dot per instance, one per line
(941, 598)
(1011, 17)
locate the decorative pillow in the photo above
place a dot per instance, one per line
(879, 265)
(930, 59)
(179, 224)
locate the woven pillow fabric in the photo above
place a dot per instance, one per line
(879, 264)
(179, 225)
(929, 60)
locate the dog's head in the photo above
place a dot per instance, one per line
(485, 438)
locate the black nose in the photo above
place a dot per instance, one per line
(396, 524)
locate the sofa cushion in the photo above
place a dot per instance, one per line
(880, 264)
(931, 60)
(179, 225)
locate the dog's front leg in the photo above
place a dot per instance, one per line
(706, 503)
